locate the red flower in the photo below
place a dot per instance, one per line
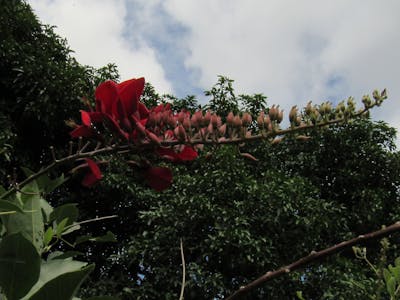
(93, 175)
(116, 105)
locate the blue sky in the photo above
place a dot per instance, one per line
(292, 51)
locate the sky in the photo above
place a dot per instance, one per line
(291, 51)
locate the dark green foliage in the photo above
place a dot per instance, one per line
(41, 85)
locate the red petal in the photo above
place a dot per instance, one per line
(114, 126)
(129, 92)
(158, 178)
(143, 111)
(96, 117)
(93, 175)
(85, 118)
(106, 94)
(187, 154)
(94, 168)
(82, 131)
(167, 153)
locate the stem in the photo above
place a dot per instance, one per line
(89, 221)
(313, 256)
(136, 148)
(183, 273)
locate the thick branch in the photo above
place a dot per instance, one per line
(313, 256)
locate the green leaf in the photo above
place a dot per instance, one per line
(30, 223)
(19, 265)
(108, 237)
(48, 235)
(59, 279)
(47, 209)
(45, 183)
(6, 205)
(68, 210)
(386, 275)
(396, 272)
(391, 286)
(63, 255)
(60, 227)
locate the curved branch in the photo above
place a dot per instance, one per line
(131, 148)
(313, 256)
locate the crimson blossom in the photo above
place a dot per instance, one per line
(118, 109)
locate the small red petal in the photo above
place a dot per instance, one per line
(106, 94)
(143, 111)
(85, 118)
(187, 154)
(82, 131)
(129, 92)
(158, 178)
(96, 117)
(94, 168)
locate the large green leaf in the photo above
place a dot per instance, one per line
(45, 183)
(30, 222)
(19, 265)
(59, 279)
(68, 210)
(6, 205)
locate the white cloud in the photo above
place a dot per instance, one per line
(294, 51)
(95, 31)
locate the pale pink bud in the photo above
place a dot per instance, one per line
(273, 113)
(214, 121)
(229, 118)
(210, 128)
(280, 116)
(186, 123)
(207, 118)
(222, 129)
(237, 122)
(293, 114)
(260, 119)
(181, 116)
(246, 119)
(180, 133)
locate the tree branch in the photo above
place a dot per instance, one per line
(313, 256)
(132, 148)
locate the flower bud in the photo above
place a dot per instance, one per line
(222, 129)
(293, 114)
(309, 108)
(229, 118)
(181, 116)
(207, 118)
(155, 139)
(303, 137)
(248, 156)
(237, 122)
(186, 123)
(280, 116)
(214, 121)
(273, 113)
(260, 119)
(210, 128)
(180, 133)
(246, 119)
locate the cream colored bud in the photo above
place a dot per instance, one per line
(229, 118)
(246, 119)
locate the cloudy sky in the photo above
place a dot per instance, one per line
(292, 51)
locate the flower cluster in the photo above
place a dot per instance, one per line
(120, 114)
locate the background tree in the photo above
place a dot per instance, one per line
(237, 218)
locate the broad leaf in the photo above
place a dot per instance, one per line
(59, 279)
(6, 205)
(68, 210)
(19, 265)
(30, 223)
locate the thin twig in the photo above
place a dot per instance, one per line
(183, 272)
(90, 221)
(313, 256)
